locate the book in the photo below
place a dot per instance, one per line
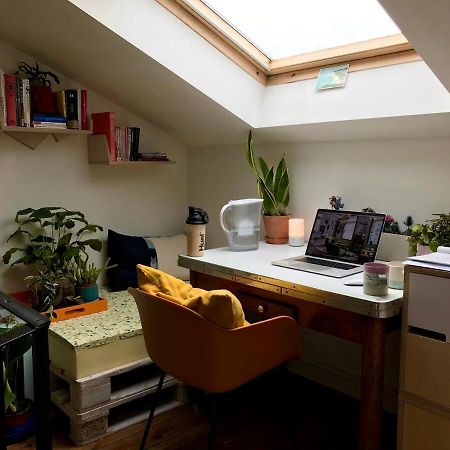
(72, 109)
(60, 100)
(37, 124)
(2, 99)
(83, 110)
(10, 99)
(439, 258)
(135, 143)
(105, 123)
(19, 102)
(48, 118)
(26, 105)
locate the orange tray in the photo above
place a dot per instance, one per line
(70, 311)
(79, 310)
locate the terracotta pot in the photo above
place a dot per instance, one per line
(422, 250)
(277, 229)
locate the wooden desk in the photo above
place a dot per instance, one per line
(318, 302)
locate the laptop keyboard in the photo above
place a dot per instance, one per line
(333, 264)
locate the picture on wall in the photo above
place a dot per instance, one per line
(332, 77)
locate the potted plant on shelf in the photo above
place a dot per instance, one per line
(426, 238)
(19, 415)
(86, 276)
(42, 101)
(273, 188)
(51, 239)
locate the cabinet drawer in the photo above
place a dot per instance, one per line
(427, 368)
(257, 308)
(424, 430)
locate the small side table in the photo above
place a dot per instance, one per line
(35, 325)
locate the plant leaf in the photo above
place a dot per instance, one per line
(95, 244)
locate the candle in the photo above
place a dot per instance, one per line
(296, 232)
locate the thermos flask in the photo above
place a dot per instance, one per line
(196, 227)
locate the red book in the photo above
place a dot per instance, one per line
(105, 123)
(10, 100)
(83, 119)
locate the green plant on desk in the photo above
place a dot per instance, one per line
(434, 233)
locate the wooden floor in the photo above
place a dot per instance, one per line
(268, 414)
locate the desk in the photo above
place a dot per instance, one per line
(318, 302)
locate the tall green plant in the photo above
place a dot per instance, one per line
(52, 237)
(273, 182)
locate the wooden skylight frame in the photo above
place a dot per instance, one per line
(379, 52)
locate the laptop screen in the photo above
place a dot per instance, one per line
(345, 235)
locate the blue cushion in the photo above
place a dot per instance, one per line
(128, 251)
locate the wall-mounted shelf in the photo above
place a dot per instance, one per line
(98, 151)
(32, 137)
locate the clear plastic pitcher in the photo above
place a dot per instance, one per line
(240, 219)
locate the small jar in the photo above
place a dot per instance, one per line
(376, 277)
(396, 274)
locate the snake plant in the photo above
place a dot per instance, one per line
(273, 182)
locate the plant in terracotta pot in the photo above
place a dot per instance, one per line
(86, 276)
(51, 239)
(273, 188)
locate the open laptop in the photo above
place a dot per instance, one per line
(340, 243)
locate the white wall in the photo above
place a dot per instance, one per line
(143, 200)
(401, 177)
(399, 90)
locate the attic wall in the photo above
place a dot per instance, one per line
(143, 200)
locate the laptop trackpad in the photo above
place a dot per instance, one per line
(312, 267)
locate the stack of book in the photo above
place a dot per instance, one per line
(15, 106)
(153, 156)
(14, 101)
(123, 142)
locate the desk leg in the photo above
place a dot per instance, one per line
(372, 370)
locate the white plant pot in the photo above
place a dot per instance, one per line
(392, 247)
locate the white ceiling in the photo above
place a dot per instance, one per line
(73, 43)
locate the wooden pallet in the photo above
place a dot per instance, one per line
(106, 402)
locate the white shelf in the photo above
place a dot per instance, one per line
(32, 137)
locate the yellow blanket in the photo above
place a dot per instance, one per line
(220, 306)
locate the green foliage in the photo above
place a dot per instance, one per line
(51, 237)
(273, 182)
(86, 274)
(434, 233)
(11, 356)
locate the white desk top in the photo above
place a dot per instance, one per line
(255, 266)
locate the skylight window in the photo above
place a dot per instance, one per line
(283, 28)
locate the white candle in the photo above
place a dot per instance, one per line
(296, 232)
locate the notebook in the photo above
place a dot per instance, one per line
(340, 243)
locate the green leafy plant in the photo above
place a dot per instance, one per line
(273, 182)
(36, 76)
(52, 238)
(11, 358)
(87, 274)
(434, 233)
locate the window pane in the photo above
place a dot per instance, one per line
(283, 28)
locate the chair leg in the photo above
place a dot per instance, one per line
(152, 410)
(212, 426)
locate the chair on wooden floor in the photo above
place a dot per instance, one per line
(193, 350)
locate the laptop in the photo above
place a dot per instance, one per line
(340, 243)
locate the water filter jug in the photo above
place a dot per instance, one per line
(240, 219)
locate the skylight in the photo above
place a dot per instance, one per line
(283, 28)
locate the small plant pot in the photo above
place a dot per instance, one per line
(277, 229)
(21, 424)
(423, 250)
(88, 293)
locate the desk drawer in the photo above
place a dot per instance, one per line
(427, 368)
(424, 430)
(257, 308)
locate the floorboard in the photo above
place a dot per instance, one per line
(270, 413)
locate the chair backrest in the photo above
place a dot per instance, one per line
(200, 354)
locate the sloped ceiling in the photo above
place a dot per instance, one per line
(426, 24)
(65, 38)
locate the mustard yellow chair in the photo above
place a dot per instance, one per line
(195, 351)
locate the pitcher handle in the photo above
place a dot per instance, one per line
(222, 214)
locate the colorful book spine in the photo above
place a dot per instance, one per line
(2, 99)
(105, 123)
(48, 118)
(10, 99)
(83, 117)
(72, 109)
(60, 100)
(37, 124)
(26, 102)
(19, 103)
